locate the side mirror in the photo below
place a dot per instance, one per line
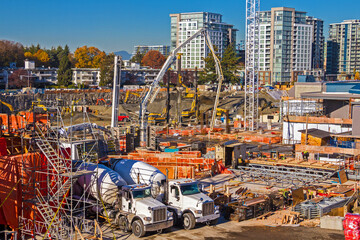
(201, 188)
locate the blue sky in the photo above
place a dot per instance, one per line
(113, 25)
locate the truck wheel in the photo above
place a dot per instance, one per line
(123, 224)
(138, 228)
(214, 222)
(188, 221)
(176, 221)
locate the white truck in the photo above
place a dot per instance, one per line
(131, 206)
(138, 211)
(182, 196)
(188, 205)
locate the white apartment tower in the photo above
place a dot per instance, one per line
(184, 25)
(285, 45)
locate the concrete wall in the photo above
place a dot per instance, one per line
(307, 87)
(356, 119)
(292, 135)
(336, 108)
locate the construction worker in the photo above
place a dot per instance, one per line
(306, 155)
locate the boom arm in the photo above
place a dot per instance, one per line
(155, 84)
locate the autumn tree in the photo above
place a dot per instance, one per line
(88, 57)
(153, 59)
(357, 76)
(107, 70)
(64, 71)
(11, 52)
(40, 56)
(137, 57)
(20, 78)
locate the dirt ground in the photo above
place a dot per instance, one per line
(228, 230)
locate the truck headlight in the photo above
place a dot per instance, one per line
(148, 219)
(198, 211)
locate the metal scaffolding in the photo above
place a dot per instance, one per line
(283, 175)
(52, 206)
(251, 64)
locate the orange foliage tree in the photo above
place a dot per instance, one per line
(88, 57)
(153, 59)
(40, 55)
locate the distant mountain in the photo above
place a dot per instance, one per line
(124, 54)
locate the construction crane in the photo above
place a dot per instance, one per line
(154, 87)
(251, 65)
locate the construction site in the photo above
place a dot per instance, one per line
(181, 162)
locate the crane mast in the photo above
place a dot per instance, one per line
(251, 65)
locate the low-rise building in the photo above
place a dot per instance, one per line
(86, 76)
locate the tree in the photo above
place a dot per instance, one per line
(229, 64)
(20, 78)
(357, 76)
(208, 75)
(107, 70)
(153, 59)
(137, 57)
(64, 72)
(88, 57)
(11, 52)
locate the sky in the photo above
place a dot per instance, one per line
(114, 25)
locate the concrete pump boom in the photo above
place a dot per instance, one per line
(151, 94)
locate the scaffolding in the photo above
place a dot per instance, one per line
(54, 204)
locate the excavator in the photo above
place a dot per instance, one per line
(37, 104)
(157, 118)
(128, 94)
(8, 105)
(187, 90)
(189, 112)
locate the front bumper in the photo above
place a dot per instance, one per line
(158, 226)
(207, 218)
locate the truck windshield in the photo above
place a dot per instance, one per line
(189, 189)
(143, 193)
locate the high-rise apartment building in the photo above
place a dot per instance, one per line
(184, 25)
(317, 59)
(164, 50)
(285, 45)
(343, 47)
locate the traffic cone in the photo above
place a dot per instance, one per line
(32, 235)
(49, 235)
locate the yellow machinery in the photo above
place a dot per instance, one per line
(37, 104)
(128, 94)
(189, 112)
(8, 105)
(157, 118)
(220, 111)
(187, 90)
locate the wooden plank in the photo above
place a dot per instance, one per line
(342, 176)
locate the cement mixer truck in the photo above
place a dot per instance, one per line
(131, 206)
(182, 196)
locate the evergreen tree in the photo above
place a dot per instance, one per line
(229, 64)
(137, 57)
(208, 75)
(107, 70)
(64, 72)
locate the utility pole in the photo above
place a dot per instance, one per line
(116, 91)
(168, 100)
(179, 89)
(196, 97)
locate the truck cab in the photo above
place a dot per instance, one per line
(189, 205)
(140, 212)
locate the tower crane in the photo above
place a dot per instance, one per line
(251, 64)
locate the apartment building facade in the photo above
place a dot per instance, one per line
(285, 49)
(343, 47)
(163, 49)
(318, 43)
(184, 25)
